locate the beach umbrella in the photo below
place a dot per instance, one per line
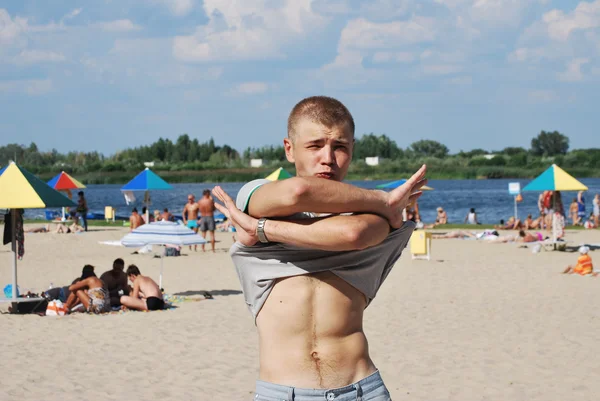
(65, 183)
(161, 233)
(145, 181)
(279, 174)
(396, 184)
(555, 179)
(19, 189)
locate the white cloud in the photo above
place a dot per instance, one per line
(253, 29)
(38, 56)
(573, 72)
(560, 24)
(179, 8)
(73, 14)
(121, 25)
(31, 87)
(251, 88)
(398, 57)
(10, 29)
(363, 34)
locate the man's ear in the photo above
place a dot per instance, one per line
(288, 145)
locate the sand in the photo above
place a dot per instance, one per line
(480, 321)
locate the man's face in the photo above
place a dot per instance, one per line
(191, 199)
(319, 151)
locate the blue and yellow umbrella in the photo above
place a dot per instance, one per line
(555, 179)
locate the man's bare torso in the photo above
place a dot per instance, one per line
(311, 335)
(135, 221)
(206, 207)
(148, 287)
(192, 211)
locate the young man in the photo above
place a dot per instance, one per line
(307, 277)
(135, 220)
(145, 294)
(116, 282)
(190, 216)
(206, 206)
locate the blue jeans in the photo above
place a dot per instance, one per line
(371, 388)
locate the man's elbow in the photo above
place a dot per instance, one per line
(360, 236)
(297, 190)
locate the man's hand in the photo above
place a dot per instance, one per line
(403, 196)
(244, 224)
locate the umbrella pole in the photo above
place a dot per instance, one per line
(162, 256)
(147, 206)
(13, 215)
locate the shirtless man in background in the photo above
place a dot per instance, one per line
(190, 216)
(206, 205)
(135, 220)
(307, 277)
(145, 294)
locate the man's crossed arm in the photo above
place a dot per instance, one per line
(334, 233)
(318, 195)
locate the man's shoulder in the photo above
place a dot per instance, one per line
(245, 193)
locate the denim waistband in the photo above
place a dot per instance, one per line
(356, 391)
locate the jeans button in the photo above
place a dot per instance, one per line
(330, 396)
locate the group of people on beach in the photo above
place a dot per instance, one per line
(110, 291)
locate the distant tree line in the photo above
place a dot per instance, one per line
(188, 154)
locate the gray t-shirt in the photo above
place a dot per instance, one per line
(260, 265)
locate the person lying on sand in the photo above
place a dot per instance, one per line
(73, 228)
(454, 234)
(531, 224)
(511, 224)
(145, 295)
(584, 264)
(45, 229)
(89, 291)
(521, 237)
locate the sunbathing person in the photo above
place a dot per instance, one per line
(45, 229)
(73, 228)
(145, 294)
(511, 224)
(90, 292)
(531, 224)
(584, 264)
(521, 237)
(454, 234)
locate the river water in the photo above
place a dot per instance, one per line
(490, 198)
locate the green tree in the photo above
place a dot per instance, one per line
(550, 144)
(371, 145)
(429, 148)
(511, 151)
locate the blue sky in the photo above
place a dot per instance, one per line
(105, 75)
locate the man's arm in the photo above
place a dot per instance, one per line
(301, 194)
(336, 233)
(183, 215)
(136, 289)
(80, 285)
(312, 194)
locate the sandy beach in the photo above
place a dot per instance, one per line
(480, 321)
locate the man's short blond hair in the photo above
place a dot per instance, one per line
(324, 110)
